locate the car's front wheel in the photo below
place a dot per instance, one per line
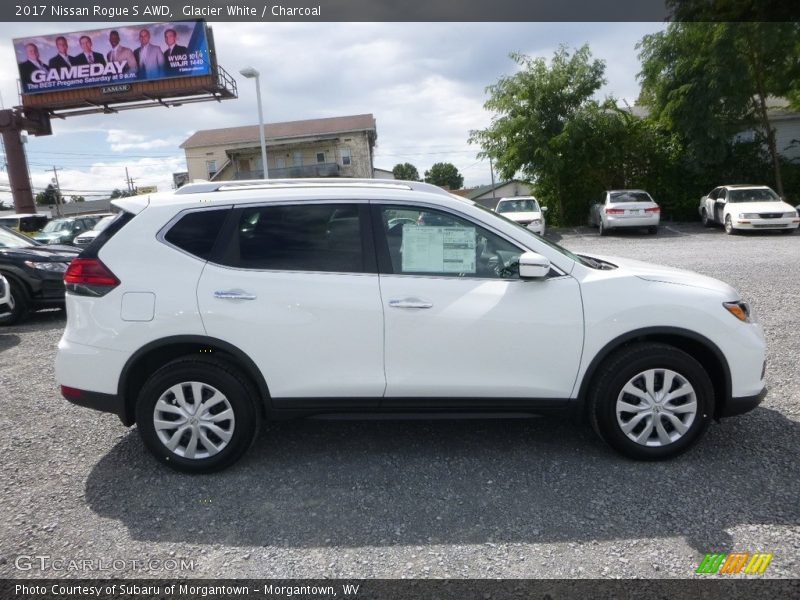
(197, 415)
(651, 401)
(17, 306)
(729, 228)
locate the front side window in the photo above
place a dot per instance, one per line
(432, 242)
(302, 237)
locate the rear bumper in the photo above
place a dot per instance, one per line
(742, 404)
(110, 403)
(614, 221)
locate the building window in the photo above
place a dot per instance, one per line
(298, 159)
(346, 157)
(320, 157)
(211, 168)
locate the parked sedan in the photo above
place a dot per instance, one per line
(617, 209)
(747, 207)
(84, 239)
(35, 274)
(524, 210)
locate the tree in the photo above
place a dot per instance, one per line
(708, 81)
(48, 196)
(117, 193)
(77, 199)
(532, 108)
(444, 175)
(406, 172)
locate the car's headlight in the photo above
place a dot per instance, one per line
(749, 215)
(739, 309)
(56, 267)
(789, 215)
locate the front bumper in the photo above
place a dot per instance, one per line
(783, 223)
(742, 404)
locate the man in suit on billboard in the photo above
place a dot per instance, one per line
(175, 56)
(87, 55)
(62, 59)
(119, 53)
(33, 64)
(149, 56)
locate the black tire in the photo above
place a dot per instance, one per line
(241, 399)
(623, 366)
(600, 228)
(18, 304)
(652, 230)
(705, 220)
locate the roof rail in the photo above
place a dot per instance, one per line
(221, 186)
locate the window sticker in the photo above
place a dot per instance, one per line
(438, 249)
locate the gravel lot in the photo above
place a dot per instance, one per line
(530, 498)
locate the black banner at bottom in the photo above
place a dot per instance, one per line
(391, 589)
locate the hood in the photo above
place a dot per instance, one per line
(662, 274)
(755, 207)
(45, 237)
(42, 253)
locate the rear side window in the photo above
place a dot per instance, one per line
(196, 232)
(307, 237)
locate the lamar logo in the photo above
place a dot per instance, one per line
(754, 564)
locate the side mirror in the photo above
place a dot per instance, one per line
(533, 266)
(544, 209)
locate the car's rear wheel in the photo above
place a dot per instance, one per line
(601, 228)
(17, 305)
(197, 415)
(651, 401)
(729, 228)
(704, 218)
(652, 230)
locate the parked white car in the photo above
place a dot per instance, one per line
(747, 207)
(87, 238)
(524, 210)
(199, 313)
(618, 209)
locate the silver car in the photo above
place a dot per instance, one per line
(625, 208)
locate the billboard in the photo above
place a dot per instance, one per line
(112, 58)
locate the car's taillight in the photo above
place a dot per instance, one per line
(655, 209)
(89, 277)
(615, 211)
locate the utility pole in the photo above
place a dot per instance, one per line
(491, 170)
(129, 180)
(59, 201)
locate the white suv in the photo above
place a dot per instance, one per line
(199, 313)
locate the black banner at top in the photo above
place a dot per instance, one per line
(400, 10)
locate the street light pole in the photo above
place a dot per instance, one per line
(251, 73)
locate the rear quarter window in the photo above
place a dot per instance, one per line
(197, 232)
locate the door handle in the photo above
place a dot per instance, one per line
(410, 303)
(233, 295)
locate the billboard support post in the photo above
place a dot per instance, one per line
(18, 178)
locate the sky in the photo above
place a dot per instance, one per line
(424, 83)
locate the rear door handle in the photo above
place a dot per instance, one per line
(233, 295)
(410, 303)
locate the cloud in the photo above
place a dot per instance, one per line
(120, 140)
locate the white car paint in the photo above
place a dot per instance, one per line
(532, 219)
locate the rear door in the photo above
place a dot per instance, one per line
(296, 289)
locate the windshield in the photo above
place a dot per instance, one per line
(9, 239)
(57, 225)
(762, 195)
(508, 206)
(103, 223)
(630, 197)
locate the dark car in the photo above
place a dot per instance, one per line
(64, 230)
(35, 273)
